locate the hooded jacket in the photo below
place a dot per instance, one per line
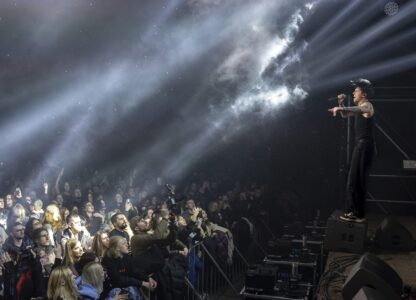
(87, 292)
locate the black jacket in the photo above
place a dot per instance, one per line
(171, 279)
(21, 263)
(40, 277)
(123, 234)
(123, 272)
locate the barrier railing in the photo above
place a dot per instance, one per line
(212, 275)
(208, 275)
(254, 239)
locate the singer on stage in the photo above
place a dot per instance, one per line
(364, 147)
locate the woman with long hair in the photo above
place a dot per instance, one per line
(148, 218)
(61, 285)
(73, 253)
(121, 269)
(64, 211)
(92, 278)
(100, 243)
(91, 284)
(52, 221)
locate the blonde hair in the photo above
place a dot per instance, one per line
(19, 212)
(114, 249)
(69, 258)
(93, 274)
(52, 211)
(61, 285)
(38, 204)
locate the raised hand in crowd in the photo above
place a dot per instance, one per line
(58, 251)
(4, 258)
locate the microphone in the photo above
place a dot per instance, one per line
(336, 98)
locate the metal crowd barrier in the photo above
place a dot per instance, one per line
(208, 276)
(255, 239)
(216, 276)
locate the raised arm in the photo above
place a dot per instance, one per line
(58, 179)
(363, 108)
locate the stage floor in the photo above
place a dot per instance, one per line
(404, 263)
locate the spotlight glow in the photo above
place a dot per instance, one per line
(188, 72)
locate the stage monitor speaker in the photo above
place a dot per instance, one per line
(370, 271)
(392, 235)
(344, 236)
(369, 293)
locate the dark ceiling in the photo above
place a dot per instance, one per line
(175, 87)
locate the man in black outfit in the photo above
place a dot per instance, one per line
(362, 156)
(119, 222)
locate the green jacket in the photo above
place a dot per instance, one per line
(162, 236)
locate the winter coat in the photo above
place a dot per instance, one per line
(171, 280)
(162, 236)
(14, 283)
(123, 271)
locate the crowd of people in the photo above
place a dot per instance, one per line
(108, 238)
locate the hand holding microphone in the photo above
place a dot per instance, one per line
(341, 98)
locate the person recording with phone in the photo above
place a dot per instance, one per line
(363, 113)
(142, 240)
(129, 209)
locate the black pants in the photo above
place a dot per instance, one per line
(362, 157)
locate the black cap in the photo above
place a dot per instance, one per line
(365, 86)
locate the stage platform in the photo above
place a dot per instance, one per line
(404, 263)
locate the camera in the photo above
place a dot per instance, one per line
(170, 201)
